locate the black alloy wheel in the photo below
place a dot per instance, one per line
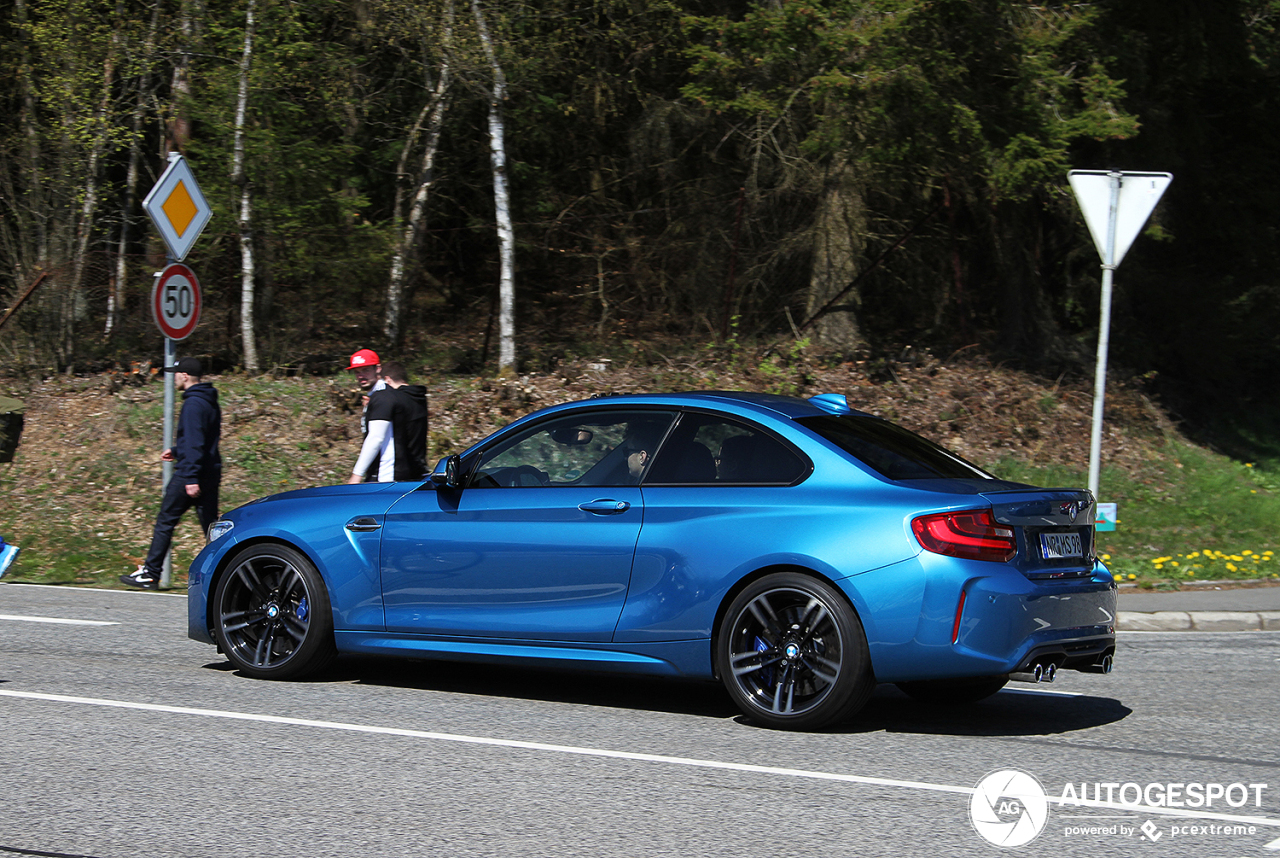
(792, 653)
(271, 614)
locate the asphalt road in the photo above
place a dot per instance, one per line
(123, 738)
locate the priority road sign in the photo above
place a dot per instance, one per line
(177, 207)
(175, 301)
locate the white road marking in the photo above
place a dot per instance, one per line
(615, 755)
(65, 589)
(1198, 633)
(1274, 844)
(58, 620)
(1044, 691)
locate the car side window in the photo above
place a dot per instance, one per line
(603, 448)
(710, 449)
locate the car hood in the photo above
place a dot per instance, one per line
(331, 491)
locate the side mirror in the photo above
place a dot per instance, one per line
(448, 473)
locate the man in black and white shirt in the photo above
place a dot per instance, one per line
(397, 430)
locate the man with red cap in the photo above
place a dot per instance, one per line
(367, 368)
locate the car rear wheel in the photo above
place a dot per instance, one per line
(792, 653)
(954, 691)
(271, 614)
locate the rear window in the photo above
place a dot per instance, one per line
(891, 451)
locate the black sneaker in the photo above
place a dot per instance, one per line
(143, 579)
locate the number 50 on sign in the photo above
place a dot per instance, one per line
(175, 302)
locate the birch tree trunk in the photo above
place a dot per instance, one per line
(407, 249)
(116, 295)
(239, 178)
(31, 138)
(73, 305)
(501, 201)
(179, 127)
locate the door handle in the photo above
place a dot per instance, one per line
(363, 524)
(605, 506)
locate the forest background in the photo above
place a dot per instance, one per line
(485, 184)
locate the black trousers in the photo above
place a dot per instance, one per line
(176, 502)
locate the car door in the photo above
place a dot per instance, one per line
(537, 544)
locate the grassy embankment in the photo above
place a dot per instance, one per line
(82, 493)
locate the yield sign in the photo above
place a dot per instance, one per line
(177, 208)
(1133, 199)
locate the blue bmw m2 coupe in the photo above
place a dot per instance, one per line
(799, 551)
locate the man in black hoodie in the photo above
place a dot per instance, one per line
(197, 472)
(397, 437)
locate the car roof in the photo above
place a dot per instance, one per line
(786, 406)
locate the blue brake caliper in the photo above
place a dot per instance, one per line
(766, 674)
(303, 609)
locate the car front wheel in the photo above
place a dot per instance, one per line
(271, 614)
(792, 653)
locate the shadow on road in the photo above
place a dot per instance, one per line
(1007, 713)
(706, 699)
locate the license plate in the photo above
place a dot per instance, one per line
(1055, 545)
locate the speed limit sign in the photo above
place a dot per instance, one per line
(175, 302)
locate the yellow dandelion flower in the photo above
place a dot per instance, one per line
(1161, 559)
(1246, 552)
(1191, 572)
(1132, 577)
(1175, 563)
(1236, 557)
(1118, 576)
(1193, 555)
(1232, 567)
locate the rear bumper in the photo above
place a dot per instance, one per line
(982, 619)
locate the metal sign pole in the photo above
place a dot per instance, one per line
(180, 212)
(170, 358)
(1104, 333)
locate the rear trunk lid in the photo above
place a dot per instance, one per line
(1054, 528)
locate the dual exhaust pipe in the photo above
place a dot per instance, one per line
(1046, 670)
(1041, 671)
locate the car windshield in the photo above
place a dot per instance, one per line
(890, 450)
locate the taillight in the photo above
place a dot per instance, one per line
(972, 534)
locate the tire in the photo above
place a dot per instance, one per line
(954, 691)
(272, 618)
(792, 653)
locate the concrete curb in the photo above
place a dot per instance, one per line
(1198, 621)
